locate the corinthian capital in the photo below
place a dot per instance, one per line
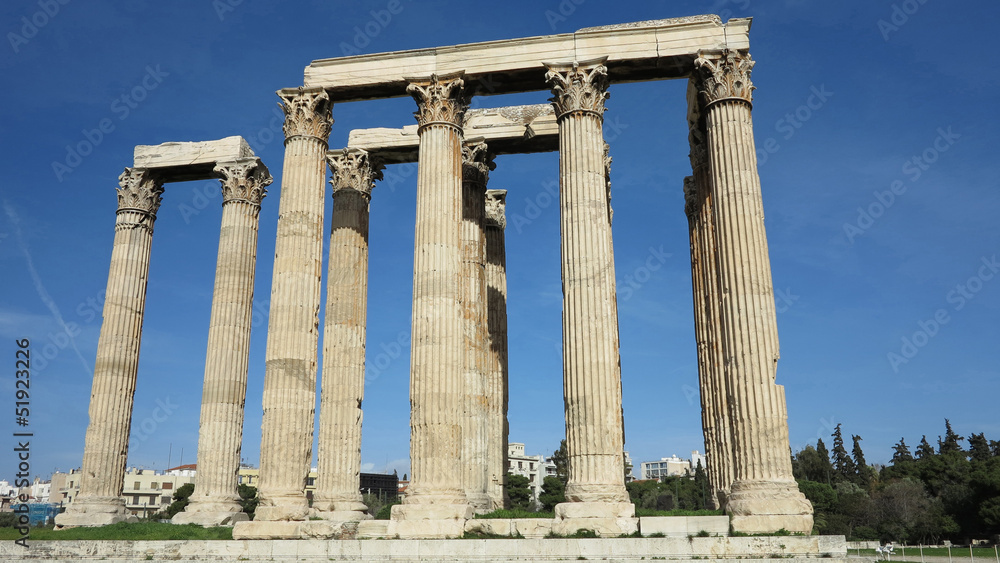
(308, 112)
(477, 161)
(354, 169)
(495, 205)
(139, 190)
(725, 76)
(578, 86)
(439, 100)
(243, 180)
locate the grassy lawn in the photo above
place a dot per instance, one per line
(125, 531)
(651, 512)
(514, 513)
(913, 553)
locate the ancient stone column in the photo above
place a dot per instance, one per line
(215, 501)
(714, 406)
(591, 366)
(437, 388)
(105, 450)
(338, 481)
(476, 165)
(764, 496)
(496, 366)
(292, 331)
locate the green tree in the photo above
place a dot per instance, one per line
(924, 449)
(182, 496)
(950, 443)
(865, 475)
(827, 467)
(821, 495)
(901, 453)
(979, 448)
(248, 499)
(560, 458)
(519, 492)
(843, 466)
(553, 492)
(811, 465)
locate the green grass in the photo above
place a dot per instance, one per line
(125, 531)
(515, 513)
(913, 552)
(678, 512)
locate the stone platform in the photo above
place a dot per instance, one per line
(766, 549)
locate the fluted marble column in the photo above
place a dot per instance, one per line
(591, 366)
(293, 324)
(714, 404)
(476, 165)
(496, 359)
(338, 482)
(215, 501)
(105, 450)
(764, 496)
(437, 388)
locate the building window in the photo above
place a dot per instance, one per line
(167, 486)
(154, 485)
(136, 486)
(311, 481)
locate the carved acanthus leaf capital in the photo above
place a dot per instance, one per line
(308, 112)
(725, 76)
(245, 179)
(139, 190)
(477, 161)
(354, 169)
(495, 208)
(439, 100)
(578, 87)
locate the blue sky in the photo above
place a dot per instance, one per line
(846, 110)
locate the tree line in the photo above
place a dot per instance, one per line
(948, 492)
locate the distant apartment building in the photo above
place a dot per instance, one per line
(147, 491)
(534, 467)
(671, 466)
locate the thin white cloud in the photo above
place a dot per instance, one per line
(43, 294)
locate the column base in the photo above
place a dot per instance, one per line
(481, 502)
(101, 511)
(343, 510)
(311, 529)
(769, 506)
(210, 514)
(341, 515)
(607, 519)
(283, 509)
(429, 521)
